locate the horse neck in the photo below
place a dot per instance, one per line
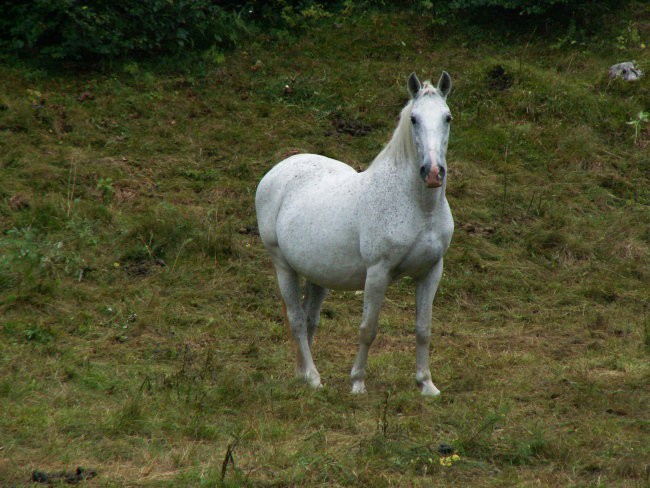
(399, 161)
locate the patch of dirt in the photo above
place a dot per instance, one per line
(499, 78)
(124, 194)
(219, 194)
(70, 477)
(85, 96)
(144, 267)
(61, 125)
(18, 202)
(249, 230)
(353, 127)
(478, 229)
(290, 152)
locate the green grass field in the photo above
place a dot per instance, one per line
(141, 329)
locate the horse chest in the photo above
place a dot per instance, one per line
(427, 249)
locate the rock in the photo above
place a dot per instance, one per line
(626, 71)
(445, 449)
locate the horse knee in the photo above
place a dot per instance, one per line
(424, 339)
(296, 321)
(367, 334)
(423, 336)
(298, 328)
(312, 322)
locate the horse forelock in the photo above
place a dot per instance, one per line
(427, 89)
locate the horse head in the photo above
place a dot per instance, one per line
(430, 119)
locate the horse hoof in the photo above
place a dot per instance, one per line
(358, 388)
(315, 384)
(313, 380)
(429, 389)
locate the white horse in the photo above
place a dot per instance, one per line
(344, 230)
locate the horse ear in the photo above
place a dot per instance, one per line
(414, 85)
(444, 84)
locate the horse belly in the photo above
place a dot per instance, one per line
(320, 241)
(330, 270)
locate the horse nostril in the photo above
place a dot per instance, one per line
(441, 172)
(424, 171)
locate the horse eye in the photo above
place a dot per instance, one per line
(414, 121)
(449, 118)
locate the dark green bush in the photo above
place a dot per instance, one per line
(530, 7)
(94, 29)
(103, 29)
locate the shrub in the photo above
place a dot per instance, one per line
(93, 29)
(525, 7)
(101, 29)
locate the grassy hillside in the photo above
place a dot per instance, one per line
(141, 329)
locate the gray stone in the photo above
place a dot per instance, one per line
(626, 71)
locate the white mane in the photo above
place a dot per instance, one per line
(400, 148)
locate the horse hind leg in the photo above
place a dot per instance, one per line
(289, 284)
(287, 323)
(377, 281)
(314, 296)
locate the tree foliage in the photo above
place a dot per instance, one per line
(527, 7)
(103, 29)
(72, 29)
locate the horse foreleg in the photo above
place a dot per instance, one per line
(314, 296)
(377, 281)
(290, 289)
(425, 291)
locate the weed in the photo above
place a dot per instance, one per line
(382, 420)
(105, 187)
(642, 117)
(201, 175)
(229, 458)
(39, 335)
(476, 442)
(629, 37)
(130, 419)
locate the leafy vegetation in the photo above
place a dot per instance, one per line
(528, 7)
(100, 30)
(141, 334)
(69, 29)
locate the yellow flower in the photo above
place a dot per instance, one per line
(449, 460)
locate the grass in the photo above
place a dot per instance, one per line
(142, 334)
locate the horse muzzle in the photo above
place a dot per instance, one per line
(432, 174)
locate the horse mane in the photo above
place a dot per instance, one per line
(400, 148)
